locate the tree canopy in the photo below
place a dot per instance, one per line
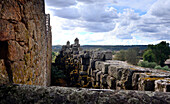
(157, 53)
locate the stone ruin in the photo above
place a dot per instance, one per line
(25, 57)
(96, 69)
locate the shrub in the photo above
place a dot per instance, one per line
(152, 64)
(113, 53)
(56, 73)
(120, 55)
(166, 68)
(147, 64)
(131, 56)
(158, 67)
(143, 63)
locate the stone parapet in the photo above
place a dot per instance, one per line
(20, 94)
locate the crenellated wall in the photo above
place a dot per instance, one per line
(25, 45)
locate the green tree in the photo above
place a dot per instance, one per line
(161, 52)
(54, 54)
(149, 56)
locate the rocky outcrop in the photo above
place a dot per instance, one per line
(20, 94)
(25, 45)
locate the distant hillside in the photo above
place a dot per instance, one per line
(113, 47)
(104, 47)
(56, 48)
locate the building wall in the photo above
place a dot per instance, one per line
(24, 44)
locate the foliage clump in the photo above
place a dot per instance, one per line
(54, 54)
(147, 64)
(56, 74)
(162, 68)
(131, 55)
(120, 55)
(157, 53)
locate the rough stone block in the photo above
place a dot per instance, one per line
(74, 52)
(86, 55)
(104, 67)
(95, 72)
(3, 73)
(85, 61)
(16, 52)
(84, 68)
(124, 77)
(135, 81)
(111, 82)
(113, 71)
(98, 75)
(75, 49)
(92, 63)
(103, 79)
(6, 30)
(97, 65)
(147, 84)
(10, 11)
(98, 55)
(108, 55)
(90, 71)
(21, 32)
(162, 85)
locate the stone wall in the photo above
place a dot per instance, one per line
(26, 94)
(25, 46)
(96, 69)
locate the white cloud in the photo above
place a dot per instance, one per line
(60, 3)
(102, 23)
(68, 12)
(97, 13)
(161, 9)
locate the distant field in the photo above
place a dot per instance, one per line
(104, 47)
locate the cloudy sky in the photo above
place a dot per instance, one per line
(109, 22)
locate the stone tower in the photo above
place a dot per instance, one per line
(25, 42)
(68, 43)
(76, 41)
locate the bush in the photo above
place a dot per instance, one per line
(166, 68)
(162, 68)
(132, 56)
(56, 73)
(147, 64)
(120, 55)
(149, 56)
(113, 53)
(143, 63)
(152, 64)
(158, 67)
